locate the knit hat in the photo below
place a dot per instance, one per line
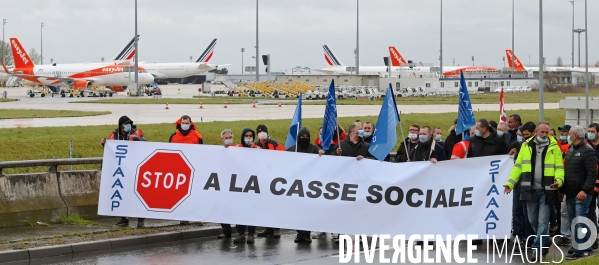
(261, 128)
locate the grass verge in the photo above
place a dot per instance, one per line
(31, 113)
(592, 260)
(17, 143)
(73, 219)
(7, 99)
(169, 100)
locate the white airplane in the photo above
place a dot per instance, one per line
(182, 70)
(80, 76)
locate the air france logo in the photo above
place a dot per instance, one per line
(20, 52)
(112, 70)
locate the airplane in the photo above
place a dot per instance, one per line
(182, 70)
(519, 66)
(336, 67)
(80, 76)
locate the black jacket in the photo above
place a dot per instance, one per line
(401, 155)
(512, 136)
(310, 149)
(580, 170)
(490, 146)
(428, 150)
(353, 150)
(451, 140)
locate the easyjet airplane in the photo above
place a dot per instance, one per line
(520, 67)
(181, 70)
(80, 76)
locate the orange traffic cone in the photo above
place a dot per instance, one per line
(225, 104)
(280, 104)
(201, 107)
(166, 105)
(254, 106)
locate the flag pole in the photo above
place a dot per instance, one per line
(404, 137)
(297, 136)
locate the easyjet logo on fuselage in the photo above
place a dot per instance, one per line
(113, 70)
(20, 52)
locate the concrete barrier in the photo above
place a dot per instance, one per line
(43, 197)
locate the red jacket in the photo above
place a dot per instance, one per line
(192, 137)
(271, 145)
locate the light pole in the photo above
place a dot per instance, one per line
(513, 65)
(102, 59)
(357, 37)
(579, 31)
(3, 23)
(42, 43)
(503, 61)
(242, 50)
(572, 33)
(586, 62)
(51, 61)
(472, 60)
(541, 81)
(441, 38)
(529, 60)
(257, 47)
(136, 54)
(190, 58)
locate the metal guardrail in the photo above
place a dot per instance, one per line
(52, 163)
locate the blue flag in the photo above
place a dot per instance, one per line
(385, 133)
(465, 114)
(296, 124)
(330, 118)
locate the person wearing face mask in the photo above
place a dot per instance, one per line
(539, 171)
(579, 185)
(460, 150)
(264, 142)
(438, 136)
(126, 131)
(226, 137)
(427, 149)
(186, 132)
(409, 143)
(304, 146)
(247, 141)
(452, 139)
(368, 129)
(524, 133)
(563, 138)
(593, 141)
(353, 146)
(514, 122)
(486, 142)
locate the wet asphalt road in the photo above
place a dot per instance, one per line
(264, 251)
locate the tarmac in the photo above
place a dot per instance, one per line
(156, 113)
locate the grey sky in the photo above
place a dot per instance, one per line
(293, 32)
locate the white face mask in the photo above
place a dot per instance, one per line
(248, 140)
(228, 141)
(413, 136)
(263, 135)
(185, 127)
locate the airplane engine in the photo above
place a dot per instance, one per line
(81, 84)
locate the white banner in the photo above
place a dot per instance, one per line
(304, 191)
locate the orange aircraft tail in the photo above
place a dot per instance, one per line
(519, 67)
(20, 56)
(396, 58)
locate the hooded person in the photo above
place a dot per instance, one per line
(127, 131)
(304, 146)
(186, 132)
(247, 138)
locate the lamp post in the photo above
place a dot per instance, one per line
(503, 61)
(3, 23)
(42, 43)
(579, 31)
(102, 59)
(136, 54)
(357, 37)
(472, 60)
(529, 60)
(441, 38)
(190, 58)
(242, 50)
(51, 61)
(541, 81)
(513, 65)
(572, 2)
(586, 72)
(257, 47)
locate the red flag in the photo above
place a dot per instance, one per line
(502, 116)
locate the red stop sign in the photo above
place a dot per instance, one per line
(163, 180)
